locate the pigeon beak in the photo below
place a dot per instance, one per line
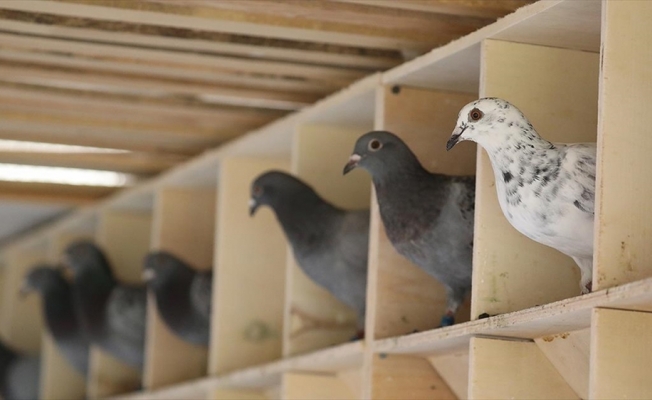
(25, 289)
(253, 206)
(148, 274)
(455, 138)
(352, 164)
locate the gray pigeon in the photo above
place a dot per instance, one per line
(329, 244)
(19, 375)
(59, 314)
(112, 315)
(546, 190)
(183, 296)
(428, 217)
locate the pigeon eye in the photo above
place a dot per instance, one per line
(375, 145)
(257, 191)
(475, 115)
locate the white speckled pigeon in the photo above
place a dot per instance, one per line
(428, 217)
(112, 314)
(183, 296)
(59, 314)
(330, 244)
(19, 375)
(546, 190)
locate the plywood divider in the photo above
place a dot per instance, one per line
(622, 239)
(454, 369)
(250, 259)
(406, 377)
(125, 237)
(59, 379)
(403, 298)
(233, 394)
(569, 353)
(509, 369)
(305, 386)
(621, 350)
(22, 324)
(314, 318)
(184, 225)
(557, 90)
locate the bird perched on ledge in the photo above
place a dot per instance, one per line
(183, 296)
(428, 217)
(546, 190)
(329, 244)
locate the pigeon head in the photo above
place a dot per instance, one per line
(381, 153)
(161, 267)
(491, 122)
(40, 279)
(276, 188)
(84, 256)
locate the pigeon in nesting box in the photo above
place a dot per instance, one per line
(59, 314)
(546, 190)
(112, 314)
(428, 217)
(183, 296)
(329, 244)
(19, 375)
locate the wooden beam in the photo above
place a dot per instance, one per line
(132, 163)
(52, 193)
(465, 8)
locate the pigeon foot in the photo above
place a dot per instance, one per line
(448, 319)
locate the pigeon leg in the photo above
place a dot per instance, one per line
(586, 271)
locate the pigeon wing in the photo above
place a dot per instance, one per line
(579, 162)
(201, 291)
(126, 313)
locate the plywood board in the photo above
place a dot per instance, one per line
(569, 353)
(315, 318)
(512, 272)
(59, 380)
(621, 351)
(298, 386)
(406, 377)
(109, 376)
(505, 369)
(226, 394)
(249, 285)
(454, 369)
(623, 238)
(404, 297)
(184, 225)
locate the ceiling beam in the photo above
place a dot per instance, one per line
(53, 193)
(464, 8)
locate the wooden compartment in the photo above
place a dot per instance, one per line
(250, 260)
(124, 233)
(59, 379)
(557, 90)
(402, 297)
(323, 141)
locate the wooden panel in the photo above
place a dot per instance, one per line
(406, 377)
(249, 286)
(22, 324)
(569, 353)
(404, 298)
(454, 369)
(125, 237)
(513, 272)
(315, 318)
(297, 386)
(621, 350)
(59, 380)
(623, 239)
(232, 394)
(453, 7)
(502, 369)
(184, 225)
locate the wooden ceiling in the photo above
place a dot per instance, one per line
(168, 79)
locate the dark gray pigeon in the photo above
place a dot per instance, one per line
(329, 244)
(546, 190)
(183, 296)
(19, 375)
(59, 314)
(112, 314)
(428, 217)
